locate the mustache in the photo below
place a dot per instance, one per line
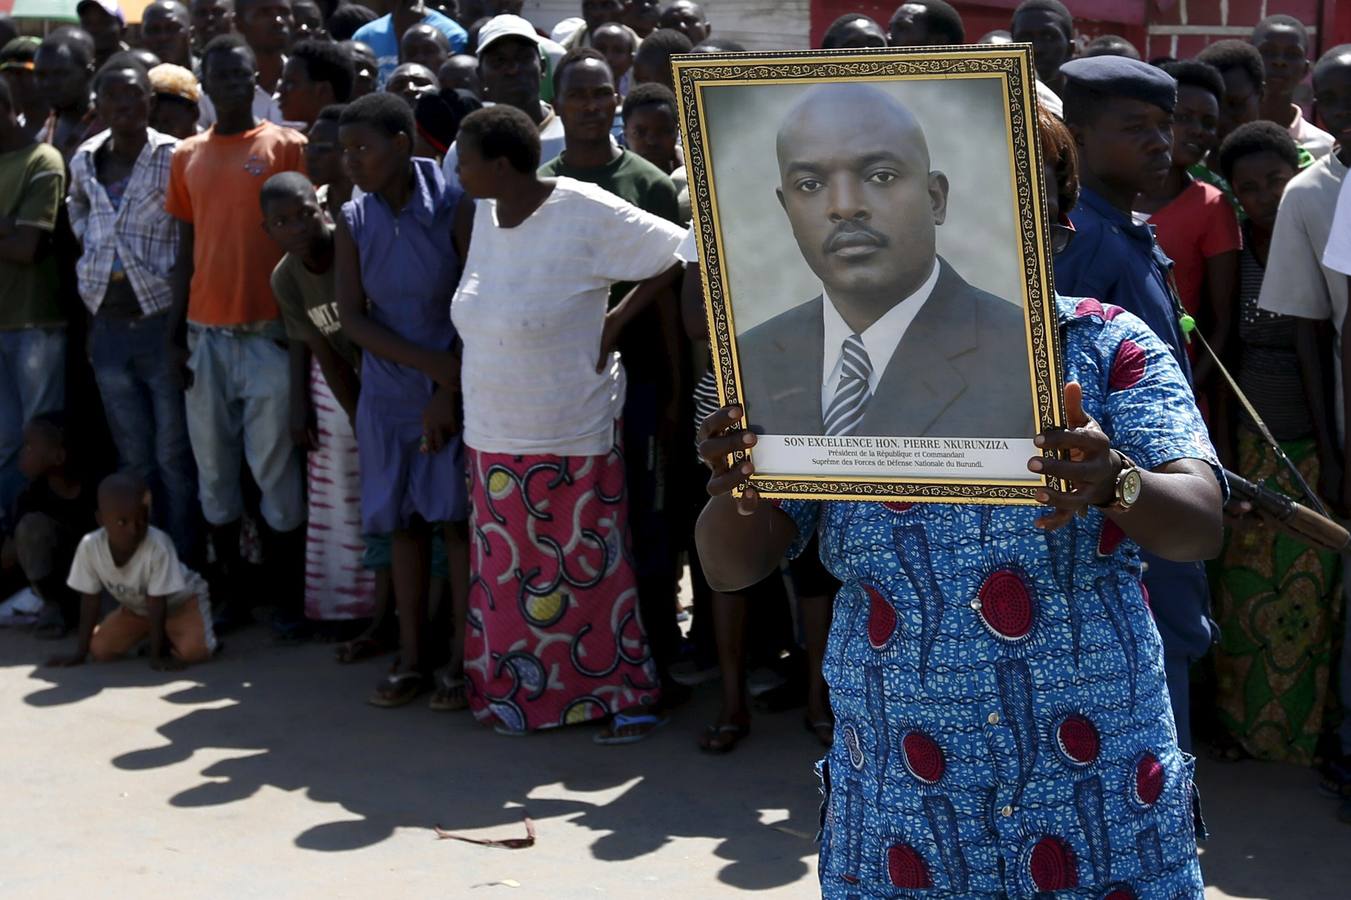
(853, 234)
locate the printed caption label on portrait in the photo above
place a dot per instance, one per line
(919, 457)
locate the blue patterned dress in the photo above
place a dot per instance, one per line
(1002, 721)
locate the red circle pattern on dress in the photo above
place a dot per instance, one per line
(906, 868)
(1128, 367)
(1090, 307)
(1078, 740)
(1006, 605)
(881, 618)
(1148, 779)
(897, 506)
(1110, 537)
(923, 757)
(1052, 866)
(1120, 892)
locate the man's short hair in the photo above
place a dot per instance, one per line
(1331, 59)
(347, 20)
(1057, 10)
(438, 115)
(1194, 73)
(1111, 45)
(226, 43)
(121, 62)
(284, 186)
(124, 485)
(327, 62)
(620, 29)
(666, 41)
(7, 96)
(1257, 137)
(331, 113)
(650, 94)
(384, 112)
(572, 58)
(1231, 54)
(940, 17)
(503, 131)
(75, 41)
(834, 35)
(1285, 21)
(718, 45)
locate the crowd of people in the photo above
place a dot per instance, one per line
(389, 328)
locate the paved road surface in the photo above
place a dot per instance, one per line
(264, 774)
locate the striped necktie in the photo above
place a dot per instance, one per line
(851, 397)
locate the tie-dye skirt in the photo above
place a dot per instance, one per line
(554, 636)
(337, 585)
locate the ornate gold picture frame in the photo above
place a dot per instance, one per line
(876, 267)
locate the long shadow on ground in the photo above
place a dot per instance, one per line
(299, 723)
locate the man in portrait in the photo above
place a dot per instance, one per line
(897, 343)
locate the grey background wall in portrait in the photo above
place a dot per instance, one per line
(964, 123)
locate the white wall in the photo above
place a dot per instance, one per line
(758, 24)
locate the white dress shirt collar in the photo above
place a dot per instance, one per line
(880, 339)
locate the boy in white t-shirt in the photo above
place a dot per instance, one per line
(158, 597)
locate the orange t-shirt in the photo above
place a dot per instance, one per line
(214, 183)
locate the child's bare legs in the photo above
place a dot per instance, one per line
(729, 631)
(377, 637)
(450, 684)
(410, 554)
(457, 553)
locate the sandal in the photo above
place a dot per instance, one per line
(358, 649)
(722, 739)
(451, 694)
(824, 729)
(398, 689)
(646, 721)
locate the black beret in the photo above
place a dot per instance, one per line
(1118, 76)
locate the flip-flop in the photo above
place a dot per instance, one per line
(736, 732)
(451, 694)
(610, 737)
(398, 689)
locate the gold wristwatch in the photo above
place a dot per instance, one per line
(1129, 482)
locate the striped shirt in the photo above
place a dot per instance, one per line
(137, 231)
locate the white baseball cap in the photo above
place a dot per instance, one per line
(505, 26)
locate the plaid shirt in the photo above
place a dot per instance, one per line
(139, 231)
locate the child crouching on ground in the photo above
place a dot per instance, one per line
(158, 597)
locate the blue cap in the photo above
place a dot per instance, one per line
(1118, 76)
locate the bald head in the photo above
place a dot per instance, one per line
(855, 183)
(829, 112)
(166, 31)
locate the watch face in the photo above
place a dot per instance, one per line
(1131, 483)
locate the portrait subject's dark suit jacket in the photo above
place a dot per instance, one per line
(960, 370)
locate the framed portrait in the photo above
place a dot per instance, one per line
(876, 267)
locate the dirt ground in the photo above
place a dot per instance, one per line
(264, 774)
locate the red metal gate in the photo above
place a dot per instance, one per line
(1177, 28)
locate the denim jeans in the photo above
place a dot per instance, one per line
(144, 406)
(32, 382)
(238, 409)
